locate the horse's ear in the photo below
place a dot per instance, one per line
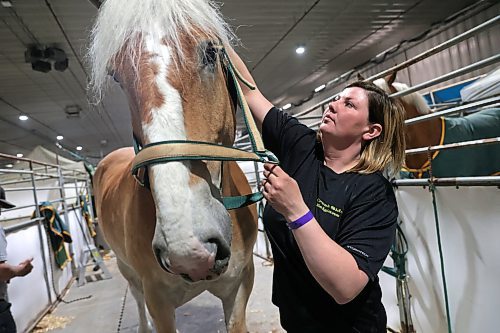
(391, 78)
(360, 77)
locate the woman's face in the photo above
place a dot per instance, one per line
(346, 117)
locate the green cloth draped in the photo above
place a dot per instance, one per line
(86, 214)
(58, 233)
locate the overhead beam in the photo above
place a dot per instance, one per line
(96, 3)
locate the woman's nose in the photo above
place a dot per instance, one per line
(331, 106)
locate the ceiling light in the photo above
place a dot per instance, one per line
(6, 3)
(321, 87)
(59, 137)
(300, 50)
(23, 117)
(287, 106)
(9, 166)
(19, 155)
(79, 148)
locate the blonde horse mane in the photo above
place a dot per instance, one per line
(122, 23)
(414, 98)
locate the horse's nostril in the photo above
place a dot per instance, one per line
(164, 263)
(214, 245)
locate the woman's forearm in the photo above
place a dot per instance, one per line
(331, 265)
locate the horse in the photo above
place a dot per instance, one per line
(482, 160)
(173, 238)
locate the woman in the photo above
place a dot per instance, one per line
(332, 215)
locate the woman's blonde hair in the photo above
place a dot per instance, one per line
(388, 149)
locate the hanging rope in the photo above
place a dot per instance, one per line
(432, 189)
(122, 310)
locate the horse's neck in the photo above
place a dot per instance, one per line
(422, 134)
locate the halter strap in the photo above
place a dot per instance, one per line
(181, 150)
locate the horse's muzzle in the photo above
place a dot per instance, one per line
(207, 261)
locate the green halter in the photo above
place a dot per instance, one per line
(181, 150)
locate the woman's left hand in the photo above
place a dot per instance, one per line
(283, 193)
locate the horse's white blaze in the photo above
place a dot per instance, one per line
(180, 209)
(171, 180)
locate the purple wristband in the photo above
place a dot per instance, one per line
(300, 221)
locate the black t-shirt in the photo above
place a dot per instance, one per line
(358, 211)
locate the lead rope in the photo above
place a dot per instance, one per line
(122, 310)
(432, 189)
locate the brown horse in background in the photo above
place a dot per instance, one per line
(176, 239)
(482, 160)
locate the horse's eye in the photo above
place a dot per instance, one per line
(114, 75)
(210, 55)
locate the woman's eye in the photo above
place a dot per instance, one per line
(349, 105)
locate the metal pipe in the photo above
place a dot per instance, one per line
(22, 225)
(478, 104)
(66, 217)
(88, 186)
(43, 164)
(437, 48)
(16, 189)
(452, 146)
(28, 172)
(477, 65)
(310, 117)
(473, 105)
(25, 180)
(27, 206)
(40, 235)
(17, 208)
(15, 171)
(411, 61)
(457, 181)
(26, 160)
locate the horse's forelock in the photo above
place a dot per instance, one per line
(414, 98)
(122, 23)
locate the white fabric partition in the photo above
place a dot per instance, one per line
(470, 230)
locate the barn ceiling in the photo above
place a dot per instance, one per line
(337, 35)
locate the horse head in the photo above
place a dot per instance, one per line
(422, 134)
(167, 58)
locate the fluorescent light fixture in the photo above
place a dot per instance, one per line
(9, 166)
(287, 106)
(23, 117)
(19, 155)
(79, 148)
(6, 3)
(300, 50)
(59, 137)
(321, 87)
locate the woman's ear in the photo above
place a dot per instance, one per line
(374, 130)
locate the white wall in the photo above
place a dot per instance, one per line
(470, 230)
